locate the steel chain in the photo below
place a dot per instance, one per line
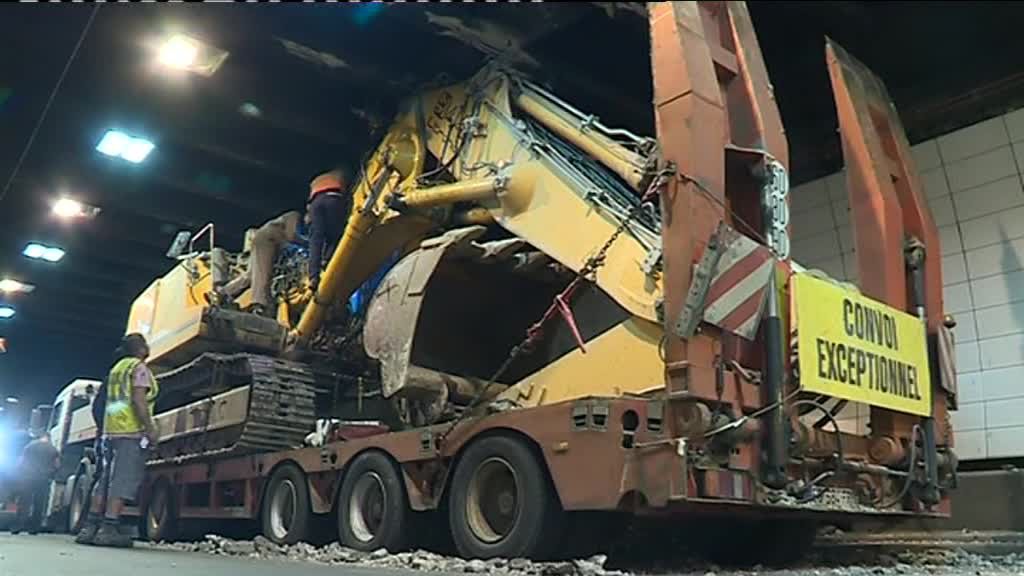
(587, 272)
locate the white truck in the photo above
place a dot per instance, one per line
(72, 431)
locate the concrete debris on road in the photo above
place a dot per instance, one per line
(863, 563)
(422, 560)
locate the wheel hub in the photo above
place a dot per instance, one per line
(492, 503)
(157, 509)
(282, 509)
(506, 503)
(367, 506)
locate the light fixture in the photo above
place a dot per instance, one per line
(69, 208)
(182, 52)
(11, 285)
(6, 312)
(37, 251)
(34, 251)
(121, 145)
(12, 400)
(53, 254)
(178, 51)
(250, 110)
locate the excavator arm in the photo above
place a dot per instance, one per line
(537, 166)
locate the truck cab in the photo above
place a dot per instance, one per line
(72, 431)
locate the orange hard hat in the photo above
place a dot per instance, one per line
(327, 181)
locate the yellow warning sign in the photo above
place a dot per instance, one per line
(856, 348)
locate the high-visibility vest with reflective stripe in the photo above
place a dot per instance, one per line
(120, 415)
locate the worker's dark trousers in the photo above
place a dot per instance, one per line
(32, 498)
(328, 215)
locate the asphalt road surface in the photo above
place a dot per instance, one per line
(52, 555)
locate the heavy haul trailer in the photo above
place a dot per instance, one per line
(675, 361)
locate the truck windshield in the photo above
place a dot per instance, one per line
(78, 402)
(55, 415)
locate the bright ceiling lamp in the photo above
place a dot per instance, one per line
(178, 51)
(181, 52)
(69, 208)
(118, 144)
(11, 286)
(6, 312)
(37, 251)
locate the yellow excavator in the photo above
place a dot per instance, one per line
(493, 194)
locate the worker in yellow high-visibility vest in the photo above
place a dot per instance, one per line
(129, 432)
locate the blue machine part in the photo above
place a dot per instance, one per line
(360, 299)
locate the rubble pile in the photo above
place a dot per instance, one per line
(930, 562)
(420, 560)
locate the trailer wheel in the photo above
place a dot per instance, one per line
(286, 513)
(161, 522)
(502, 504)
(79, 505)
(372, 509)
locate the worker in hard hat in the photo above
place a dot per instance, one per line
(266, 243)
(329, 205)
(130, 432)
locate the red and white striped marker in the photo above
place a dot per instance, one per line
(736, 296)
(947, 362)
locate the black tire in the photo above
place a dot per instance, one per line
(372, 508)
(160, 522)
(285, 511)
(78, 508)
(484, 522)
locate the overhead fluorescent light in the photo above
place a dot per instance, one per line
(182, 52)
(178, 51)
(137, 150)
(118, 144)
(69, 208)
(12, 400)
(6, 312)
(113, 143)
(250, 110)
(34, 251)
(38, 251)
(10, 285)
(53, 254)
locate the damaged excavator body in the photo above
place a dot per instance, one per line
(552, 297)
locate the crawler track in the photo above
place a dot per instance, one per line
(280, 410)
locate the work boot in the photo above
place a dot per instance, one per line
(87, 535)
(109, 536)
